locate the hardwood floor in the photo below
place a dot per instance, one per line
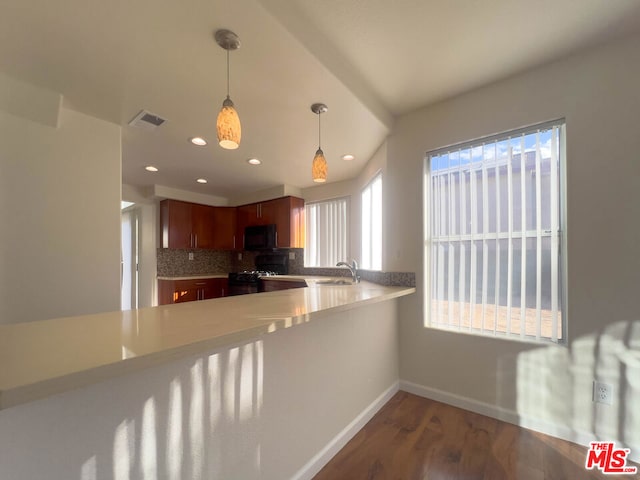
(416, 438)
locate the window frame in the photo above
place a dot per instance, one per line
(561, 234)
(369, 186)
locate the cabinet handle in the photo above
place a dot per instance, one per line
(201, 283)
(234, 242)
(276, 238)
(191, 239)
(222, 292)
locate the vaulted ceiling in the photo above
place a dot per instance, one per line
(369, 61)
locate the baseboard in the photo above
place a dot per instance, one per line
(459, 401)
(313, 466)
(510, 416)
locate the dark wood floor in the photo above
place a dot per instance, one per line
(415, 438)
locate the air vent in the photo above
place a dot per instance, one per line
(147, 120)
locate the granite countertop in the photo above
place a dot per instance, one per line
(42, 358)
(195, 277)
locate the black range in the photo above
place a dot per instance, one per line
(267, 264)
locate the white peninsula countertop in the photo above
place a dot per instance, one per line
(42, 358)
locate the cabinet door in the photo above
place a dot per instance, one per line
(269, 212)
(202, 226)
(224, 227)
(218, 288)
(185, 291)
(175, 219)
(165, 292)
(288, 215)
(297, 223)
(246, 216)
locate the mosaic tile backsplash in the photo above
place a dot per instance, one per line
(176, 263)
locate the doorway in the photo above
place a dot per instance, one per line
(129, 282)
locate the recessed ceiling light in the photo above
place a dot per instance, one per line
(199, 141)
(151, 168)
(254, 161)
(348, 157)
(201, 180)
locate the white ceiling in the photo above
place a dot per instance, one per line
(368, 60)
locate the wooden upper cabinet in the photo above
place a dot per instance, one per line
(175, 224)
(224, 228)
(202, 226)
(186, 225)
(190, 225)
(287, 213)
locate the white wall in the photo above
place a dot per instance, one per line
(597, 93)
(59, 211)
(259, 410)
(266, 194)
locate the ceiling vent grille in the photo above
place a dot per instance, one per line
(147, 120)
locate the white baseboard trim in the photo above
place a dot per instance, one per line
(459, 401)
(313, 466)
(559, 431)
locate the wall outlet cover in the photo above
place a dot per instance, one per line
(292, 255)
(602, 393)
(190, 255)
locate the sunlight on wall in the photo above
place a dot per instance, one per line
(148, 443)
(89, 469)
(199, 423)
(229, 399)
(123, 450)
(555, 387)
(196, 417)
(175, 431)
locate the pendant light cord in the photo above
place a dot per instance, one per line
(319, 147)
(228, 73)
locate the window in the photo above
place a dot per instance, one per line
(372, 225)
(326, 236)
(493, 242)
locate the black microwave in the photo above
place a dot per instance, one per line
(260, 237)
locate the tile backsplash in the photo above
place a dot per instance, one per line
(176, 263)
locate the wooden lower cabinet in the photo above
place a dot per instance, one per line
(274, 285)
(178, 291)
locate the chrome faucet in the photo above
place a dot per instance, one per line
(353, 268)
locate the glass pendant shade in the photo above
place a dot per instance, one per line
(319, 167)
(228, 126)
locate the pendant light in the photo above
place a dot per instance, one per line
(228, 124)
(319, 165)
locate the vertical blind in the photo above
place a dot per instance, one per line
(326, 236)
(494, 240)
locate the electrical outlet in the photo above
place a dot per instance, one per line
(292, 255)
(602, 393)
(190, 255)
(239, 255)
